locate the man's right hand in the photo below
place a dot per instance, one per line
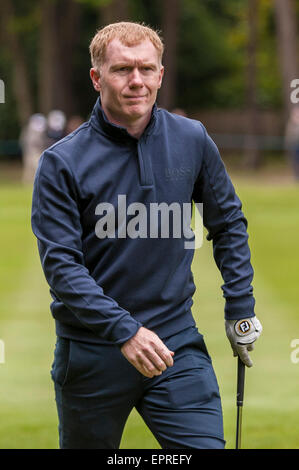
(147, 353)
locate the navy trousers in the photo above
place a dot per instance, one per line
(96, 388)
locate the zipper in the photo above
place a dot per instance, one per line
(145, 167)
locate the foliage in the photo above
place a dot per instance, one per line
(211, 54)
(206, 59)
(269, 79)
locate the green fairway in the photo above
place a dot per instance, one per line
(27, 405)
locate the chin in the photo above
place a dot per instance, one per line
(138, 110)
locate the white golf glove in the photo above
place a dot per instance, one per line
(242, 334)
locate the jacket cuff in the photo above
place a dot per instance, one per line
(237, 308)
(124, 329)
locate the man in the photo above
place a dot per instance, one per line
(122, 293)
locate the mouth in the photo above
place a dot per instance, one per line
(135, 98)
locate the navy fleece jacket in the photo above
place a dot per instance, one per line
(104, 289)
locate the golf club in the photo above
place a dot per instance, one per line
(240, 397)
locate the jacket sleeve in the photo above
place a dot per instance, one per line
(56, 224)
(227, 228)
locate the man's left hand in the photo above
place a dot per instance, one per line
(242, 334)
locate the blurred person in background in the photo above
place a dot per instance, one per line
(126, 335)
(33, 142)
(292, 140)
(56, 126)
(180, 112)
(73, 123)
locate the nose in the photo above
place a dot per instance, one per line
(135, 79)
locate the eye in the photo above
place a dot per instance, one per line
(122, 69)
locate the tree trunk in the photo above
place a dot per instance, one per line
(170, 21)
(287, 47)
(68, 34)
(114, 11)
(59, 29)
(20, 74)
(252, 151)
(47, 58)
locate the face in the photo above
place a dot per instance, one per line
(128, 81)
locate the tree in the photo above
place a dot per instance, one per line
(113, 11)
(20, 72)
(170, 20)
(286, 29)
(58, 33)
(252, 151)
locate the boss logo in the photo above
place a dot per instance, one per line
(177, 173)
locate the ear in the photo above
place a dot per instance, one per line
(95, 78)
(161, 76)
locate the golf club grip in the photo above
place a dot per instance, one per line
(240, 382)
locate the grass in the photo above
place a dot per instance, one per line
(27, 406)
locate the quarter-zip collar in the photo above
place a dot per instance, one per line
(100, 122)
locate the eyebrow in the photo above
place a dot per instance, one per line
(130, 63)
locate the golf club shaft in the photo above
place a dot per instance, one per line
(239, 427)
(240, 398)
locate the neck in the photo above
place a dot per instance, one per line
(134, 127)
